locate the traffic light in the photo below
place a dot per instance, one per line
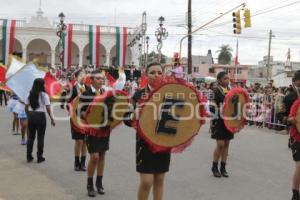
(247, 18)
(237, 22)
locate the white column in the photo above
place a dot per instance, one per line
(24, 55)
(52, 58)
(107, 59)
(80, 58)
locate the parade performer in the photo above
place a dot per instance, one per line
(102, 108)
(20, 110)
(77, 134)
(227, 120)
(12, 102)
(291, 104)
(97, 146)
(36, 105)
(156, 139)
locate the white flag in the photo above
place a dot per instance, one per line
(21, 82)
(14, 67)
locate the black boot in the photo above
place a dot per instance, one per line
(215, 170)
(82, 164)
(90, 187)
(77, 164)
(223, 170)
(296, 195)
(99, 185)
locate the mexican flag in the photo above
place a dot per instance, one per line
(121, 45)
(8, 35)
(67, 46)
(94, 45)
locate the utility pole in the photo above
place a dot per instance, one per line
(269, 55)
(190, 37)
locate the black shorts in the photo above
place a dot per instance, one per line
(97, 144)
(76, 135)
(295, 146)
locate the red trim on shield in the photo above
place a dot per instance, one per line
(229, 95)
(104, 131)
(179, 148)
(293, 112)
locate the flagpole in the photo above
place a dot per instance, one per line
(236, 59)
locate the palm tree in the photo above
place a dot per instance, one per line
(225, 54)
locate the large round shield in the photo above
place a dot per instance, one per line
(295, 112)
(170, 117)
(107, 110)
(76, 122)
(234, 109)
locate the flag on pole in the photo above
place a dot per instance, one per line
(21, 82)
(52, 86)
(2, 73)
(236, 60)
(94, 45)
(121, 45)
(67, 46)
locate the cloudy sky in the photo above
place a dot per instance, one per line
(284, 20)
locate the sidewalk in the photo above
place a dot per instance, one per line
(19, 182)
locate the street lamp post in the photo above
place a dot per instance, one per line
(60, 32)
(141, 56)
(160, 34)
(147, 48)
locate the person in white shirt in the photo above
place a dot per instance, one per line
(36, 106)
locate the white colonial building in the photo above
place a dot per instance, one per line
(37, 38)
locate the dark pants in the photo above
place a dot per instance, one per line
(36, 124)
(3, 94)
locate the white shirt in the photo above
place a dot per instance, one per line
(44, 101)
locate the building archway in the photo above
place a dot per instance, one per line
(113, 58)
(85, 59)
(18, 49)
(75, 55)
(41, 49)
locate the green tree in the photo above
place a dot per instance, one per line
(225, 54)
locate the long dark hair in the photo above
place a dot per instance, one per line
(37, 88)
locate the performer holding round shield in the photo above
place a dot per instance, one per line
(77, 133)
(158, 117)
(228, 119)
(97, 146)
(103, 109)
(291, 103)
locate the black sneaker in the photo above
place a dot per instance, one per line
(40, 160)
(29, 158)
